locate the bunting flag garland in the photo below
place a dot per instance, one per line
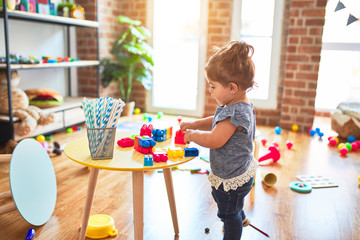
(351, 18)
(339, 6)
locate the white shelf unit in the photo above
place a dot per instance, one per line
(70, 112)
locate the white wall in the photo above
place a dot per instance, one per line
(38, 39)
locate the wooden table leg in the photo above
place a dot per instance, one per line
(94, 174)
(171, 196)
(138, 203)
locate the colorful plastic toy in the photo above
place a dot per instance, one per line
(101, 226)
(333, 141)
(137, 111)
(273, 154)
(191, 152)
(125, 142)
(148, 161)
(289, 144)
(264, 141)
(179, 137)
(348, 146)
(179, 118)
(145, 116)
(351, 139)
(40, 138)
(160, 156)
(295, 127)
(144, 144)
(312, 132)
(300, 187)
(344, 151)
(160, 115)
(175, 152)
(341, 145)
(161, 135)
(275, 144)
(146, 130)
(354, 146)
(30, 234)
(278, 130)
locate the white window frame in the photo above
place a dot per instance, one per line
(271, 102)
(200, 104)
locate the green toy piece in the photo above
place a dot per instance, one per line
(300, 187)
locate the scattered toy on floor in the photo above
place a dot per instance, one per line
(30, 234)
(278, 130)
(295, 127)
(300, 187)
(289, 144)
(273, 154)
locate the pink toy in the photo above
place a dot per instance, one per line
(179, 119)
(358, 143)
(125, 142)
(275, 144)
(146, 130)
(289, 144)
(179, 137)
(332, 142)
(344, 151)
(354, 146)
(263, 141)
(273, 154)
(160, 156)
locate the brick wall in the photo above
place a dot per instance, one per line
(109, 31)
(301, 47)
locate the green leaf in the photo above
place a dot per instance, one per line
(124, 19)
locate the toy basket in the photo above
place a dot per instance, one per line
(101, 142)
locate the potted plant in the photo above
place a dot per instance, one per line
(132, 59)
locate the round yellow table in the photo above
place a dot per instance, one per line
(125, 159)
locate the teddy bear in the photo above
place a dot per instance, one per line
(30, 116)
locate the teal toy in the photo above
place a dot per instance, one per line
(300, 187)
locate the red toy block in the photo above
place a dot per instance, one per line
(146, 130)
(141, 149)
(179, 137)
(160, 156)
(125, 142)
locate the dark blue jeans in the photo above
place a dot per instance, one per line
(230, 209)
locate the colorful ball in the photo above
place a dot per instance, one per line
(359, 178)
(348, 146)
(278, 130)
(40, 138)
(344, 151)
(295, 127)
(289, 144)
(137, 111)
(332, 142)
(263, 141)
(145, 116)
(351, 139)
(354, 146)
(341, 145)
(69, 130)
(160, 115)
(312, 132)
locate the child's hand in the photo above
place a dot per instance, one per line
(185, 125)
(187, 136)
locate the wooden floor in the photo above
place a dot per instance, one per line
(328, 213)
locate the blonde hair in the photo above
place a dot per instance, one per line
(232, 64)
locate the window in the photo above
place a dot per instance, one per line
(261, 27)
(179, 43)
(339, 71)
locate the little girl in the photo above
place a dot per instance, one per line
(229, 133)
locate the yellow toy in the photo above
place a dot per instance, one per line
(295, 128)
(101, 226)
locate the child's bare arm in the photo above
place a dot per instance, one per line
(204, 124)
(212, 139)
